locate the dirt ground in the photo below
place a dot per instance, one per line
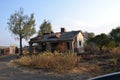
(10, 72)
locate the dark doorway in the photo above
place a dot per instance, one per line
(43, 46)
(53, 46)
(68, 45)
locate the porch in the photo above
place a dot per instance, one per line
(60, 46)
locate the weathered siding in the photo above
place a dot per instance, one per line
(80, 43)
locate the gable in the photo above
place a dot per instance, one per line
(80, 37)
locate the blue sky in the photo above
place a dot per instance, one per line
(98, 16)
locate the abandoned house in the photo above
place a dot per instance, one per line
(62, 41)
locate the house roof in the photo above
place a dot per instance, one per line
(65, 36)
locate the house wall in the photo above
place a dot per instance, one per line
(80, 43)
(12, 49)
(62, 47)
(74, 44)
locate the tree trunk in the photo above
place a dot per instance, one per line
(101, 52)
(30, 49)
(21, 53)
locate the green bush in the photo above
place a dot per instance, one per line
(54, 61)
(112, 62)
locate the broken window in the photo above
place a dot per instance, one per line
(68, 45)
(80, 43)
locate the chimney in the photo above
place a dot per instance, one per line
(63, 30)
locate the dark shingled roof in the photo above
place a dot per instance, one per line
(69, 35)
(65, 36)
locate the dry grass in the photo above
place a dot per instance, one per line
(53, 61)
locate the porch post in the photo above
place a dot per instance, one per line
(72, 46)
(30, 48)
(48, 46)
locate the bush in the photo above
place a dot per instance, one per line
(25, 61)
(91, 49)
(44, 60)
(112, 62)
(115, 52)
(54, 61)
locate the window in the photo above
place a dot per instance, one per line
(80, 43)
(68, 45)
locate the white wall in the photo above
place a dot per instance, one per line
(12, 49)
(80, 38)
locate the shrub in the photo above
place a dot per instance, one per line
(91, 49)
(112, 62)
(66, 61)
(43, 60)
(54, 61)
(115, 52)
(25, 61)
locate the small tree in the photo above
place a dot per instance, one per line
(45, 27)
(115, 35)
(22, 26)
(100, 40)
(88, 35)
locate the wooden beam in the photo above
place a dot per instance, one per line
(72, 46)
(30, 49)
